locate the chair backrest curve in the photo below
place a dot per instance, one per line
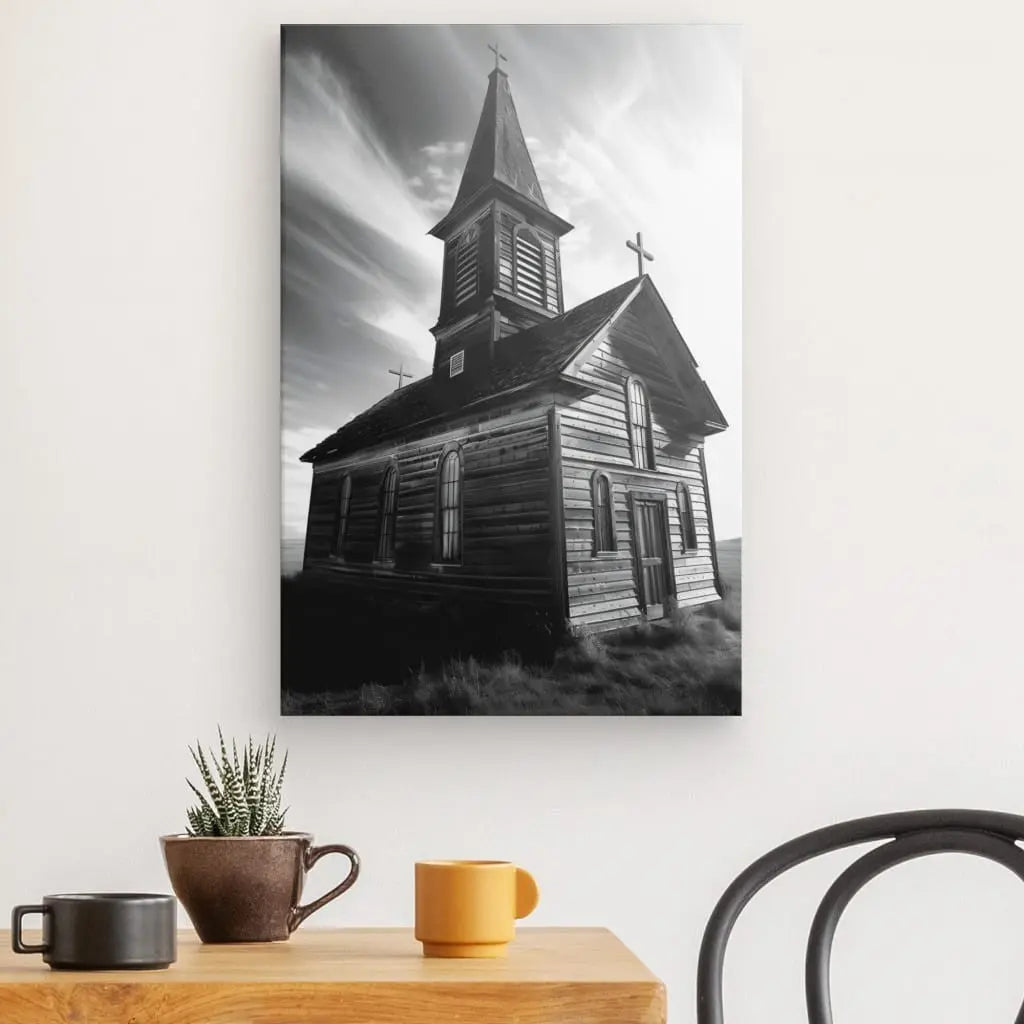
(989, 834)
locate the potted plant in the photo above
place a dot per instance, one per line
(237, 872)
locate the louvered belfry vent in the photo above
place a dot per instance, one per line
(529, 267)
(467, 265)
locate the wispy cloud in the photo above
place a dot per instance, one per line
(437, 150)
(439, 172)
(333, 146)
(333, 150)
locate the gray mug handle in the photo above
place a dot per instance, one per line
(17, 915)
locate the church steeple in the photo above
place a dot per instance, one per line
(499, 152)
(502, 267)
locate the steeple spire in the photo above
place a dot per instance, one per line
(499, 150)
(502, 267)
(499, 158)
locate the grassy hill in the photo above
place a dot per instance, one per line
(687, 664)
(730, 556)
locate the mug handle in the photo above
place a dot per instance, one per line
(312, 855)
(17, 915)
(527, 894)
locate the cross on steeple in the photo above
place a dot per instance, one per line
(497, 55)
(400, 373)
(641, 253)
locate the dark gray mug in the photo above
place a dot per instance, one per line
(102, 931)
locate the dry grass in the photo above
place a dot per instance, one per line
(689, 664)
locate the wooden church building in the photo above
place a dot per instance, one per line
(553, 459)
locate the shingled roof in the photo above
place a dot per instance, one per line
(521, 360)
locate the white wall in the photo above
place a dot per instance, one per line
(884, 491)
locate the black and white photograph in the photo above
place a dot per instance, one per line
(511, 347)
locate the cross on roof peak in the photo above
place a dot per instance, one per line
(641, 253)
(400, 373)
(498, 55)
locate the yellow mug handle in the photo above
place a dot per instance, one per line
(527, 894)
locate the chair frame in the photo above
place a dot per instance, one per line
(911, 834)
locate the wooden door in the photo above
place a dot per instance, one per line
(650, 529)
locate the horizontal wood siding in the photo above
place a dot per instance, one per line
(320, 523)
(506, 512)
(602, 588)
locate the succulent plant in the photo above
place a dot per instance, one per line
(244, 797)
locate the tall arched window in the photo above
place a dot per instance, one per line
(530, 275)
(687, 524)
(466, 264)
(341, 515)
(449, 507)
(641, 442)
(604, 518)
(387, 508)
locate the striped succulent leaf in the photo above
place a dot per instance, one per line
(204, 804)
(243, 790)
(239, 809)
(211, 823)
(204, 768)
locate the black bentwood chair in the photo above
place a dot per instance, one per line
(988, 834)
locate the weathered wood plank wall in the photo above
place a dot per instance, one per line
(602, 588)
(517, 529)
(507, 533)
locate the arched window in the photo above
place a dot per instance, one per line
(604, 513)
(530, 280)
(639, 417)
(467, 265)
(387, 508)
(341, 515)
(687, 524)
(449, 507)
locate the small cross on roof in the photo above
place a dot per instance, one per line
(641, 253)
(400, 374)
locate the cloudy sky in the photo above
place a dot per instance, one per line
(630, 128)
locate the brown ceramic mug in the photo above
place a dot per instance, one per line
(247, 888)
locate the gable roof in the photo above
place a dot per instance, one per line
(689, 380)
(529, 358)
(548, 347)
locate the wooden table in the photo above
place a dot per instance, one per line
(353, 976)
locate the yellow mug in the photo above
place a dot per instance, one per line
(468, 908)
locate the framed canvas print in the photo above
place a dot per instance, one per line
(511, 346)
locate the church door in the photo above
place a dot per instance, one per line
(650, 530)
